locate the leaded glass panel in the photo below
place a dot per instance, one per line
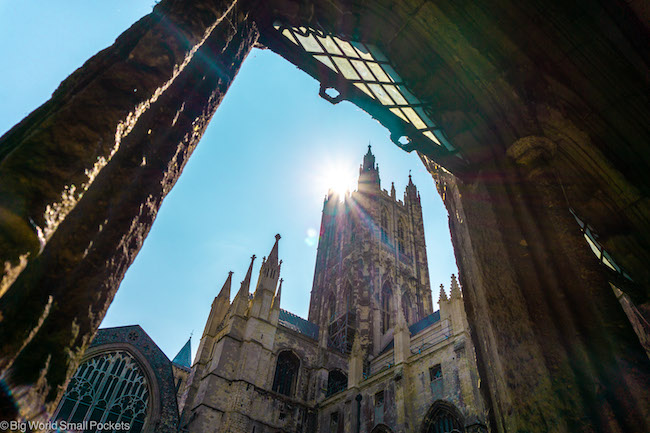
(109, 387)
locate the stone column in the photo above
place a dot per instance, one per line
(82, 178)
(556, 352)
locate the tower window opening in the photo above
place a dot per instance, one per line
(384, 226)
(286, 373)
(385, 310)
(400, 237)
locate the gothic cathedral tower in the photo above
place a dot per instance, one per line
(371, 265)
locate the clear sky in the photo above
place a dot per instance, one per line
(263, 167)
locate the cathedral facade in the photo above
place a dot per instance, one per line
(372, 356)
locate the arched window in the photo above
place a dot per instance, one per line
(406, 307)
(384, 225)
(109, 387)
(385, 309)
(286, 373)
(401, 237)
(337, 381)
(331, 307)
(443, 417)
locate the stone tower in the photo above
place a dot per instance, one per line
(371, 263)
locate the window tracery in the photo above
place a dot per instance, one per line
(109, 387)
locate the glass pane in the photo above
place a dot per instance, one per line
(348, 50)
(408, 95)
(394, 76)
(593, 246)
(381, 94)
(431, 137)
(395, 94)
(609, 264)
(414, 118)
(379, 73)
(330, 45)
(365, 73)
(424, 117)
(362, 50)
(376, 53)
(327, 61)
(398, 112)
(310, 44)
(346, 68)
(365, 89)
(287, 34)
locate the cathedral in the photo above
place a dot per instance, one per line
(372, 355)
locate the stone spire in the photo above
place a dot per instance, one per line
(443, 295)
(369, 173)
(275, 307)
(392, 190)
(240, 303)
(184, 356)
(411, 190)
(225, 289)
(455, 288)
(276, 298)
(219, 308)
(266, 283)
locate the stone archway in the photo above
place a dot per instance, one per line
(381, 428)
(500, 82)
(443, 417)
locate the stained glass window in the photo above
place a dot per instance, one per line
(107, 388)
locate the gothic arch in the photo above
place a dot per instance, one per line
(443, 417)
(337, 381)
(381, 428)
(125, 352)
(287, 373)
(401, 235)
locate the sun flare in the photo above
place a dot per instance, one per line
(337, 177)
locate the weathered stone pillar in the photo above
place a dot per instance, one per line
(83, 176)
(556, 350)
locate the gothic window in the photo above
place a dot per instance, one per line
(384, 226)
(331, 307)
(286, 373)
(379, 407)
(334, 422)
(109, 387)
(406, 305)
(385, 309)
(436, 383)
(443, 417)
(337, 381)
(400, 237)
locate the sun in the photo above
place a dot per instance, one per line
(338, 177)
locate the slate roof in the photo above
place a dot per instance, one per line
(424, 323)
(298, 324)
(416, 328)
(184, 356)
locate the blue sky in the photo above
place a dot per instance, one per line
(262, 168)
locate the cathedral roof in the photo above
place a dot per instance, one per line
(298, 324)
(416, 328)
(424, 323)
(184, 356)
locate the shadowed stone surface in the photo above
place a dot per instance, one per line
(57, 303)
